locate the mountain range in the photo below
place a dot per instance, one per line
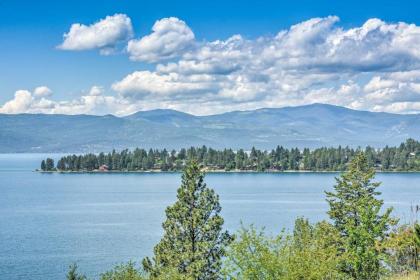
(309, 126)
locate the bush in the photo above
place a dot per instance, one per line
(309, 253)
(403, 249)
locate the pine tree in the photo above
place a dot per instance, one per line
(193, 242)
(43, 166)
(49, 165)
(123, 272)
(72, 274)
(356, 212)
(61, 165)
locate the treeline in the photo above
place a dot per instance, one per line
(360, 241)
(405, 157)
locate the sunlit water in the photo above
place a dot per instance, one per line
(48, 221)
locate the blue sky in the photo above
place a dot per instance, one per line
(242, 73)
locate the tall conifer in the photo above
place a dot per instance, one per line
(194, 241)
(358, 215)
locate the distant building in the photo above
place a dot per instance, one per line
(103, 167)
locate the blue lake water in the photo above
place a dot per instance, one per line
(48, 221)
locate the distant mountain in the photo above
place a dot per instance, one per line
(304, 126)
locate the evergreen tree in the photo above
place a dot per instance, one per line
(49, 165)
(61, 165)
(72, 274)
(356, 212)
(193, 242)
(43, 165)
(123, 272)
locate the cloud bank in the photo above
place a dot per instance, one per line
(94, 102)
(375, 66)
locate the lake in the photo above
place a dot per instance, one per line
(48, 221)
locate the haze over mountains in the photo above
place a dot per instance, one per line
(310, 126)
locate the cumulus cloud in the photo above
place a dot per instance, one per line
(94, 102)
(104, 34)
(96, 90)
(19, 104)
(318, 44)
(169, 37)
(42, 91)
(367, 67)
(144, 83)
(375, 66)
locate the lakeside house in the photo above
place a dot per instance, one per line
(103, 168)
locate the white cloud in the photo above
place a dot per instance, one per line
(42, 91)
(143, 83)
(24, 100)
(95, 102)
(398, 107)
(169, 38)
(377, 83)
(387, 90)
(375, 66)
(318, 44)
(103, 35)
(96, 90)
(19, 104)
(313, 61)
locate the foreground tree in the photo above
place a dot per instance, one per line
(194, 242)
(358, 216)
(72, 274)
(123, 272)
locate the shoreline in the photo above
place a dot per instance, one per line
(212, 171)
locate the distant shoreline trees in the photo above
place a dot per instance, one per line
(48, 165)
(405, 157)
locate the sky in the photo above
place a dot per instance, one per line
(206, 57)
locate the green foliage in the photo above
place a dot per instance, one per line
(406, 276)
(123, 272)
(72, 274)
(49, 164)
(404, 157)
(314, 252)
(168, 273)
(310, 252)
(193, 243)
(416, 236)
(253, 255)
(403, 249)
(356, 213)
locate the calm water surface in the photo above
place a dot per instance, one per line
(48, 221)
